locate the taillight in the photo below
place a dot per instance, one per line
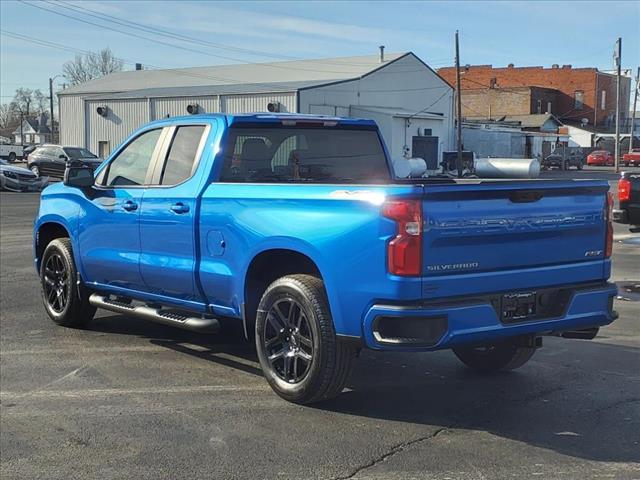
(404, 252)
(624, 190)
(609, 241)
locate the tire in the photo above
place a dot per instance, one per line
(35, 170)
(12, 157)
(300, 355)
(506, 355)
(66, 303)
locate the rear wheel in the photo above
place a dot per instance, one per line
(506, 355)
(66, 303)
(296, 341)
(12, 157)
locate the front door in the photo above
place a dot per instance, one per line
(167, 216)
(109, 229)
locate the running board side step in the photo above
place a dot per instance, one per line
(167, 317)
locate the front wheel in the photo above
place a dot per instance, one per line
(12, 157)
(296, 341)
(66, 303)
(505, 355)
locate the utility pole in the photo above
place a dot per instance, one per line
(459, 110)
(618, 57)
(21, 129)
(633, 116)
(51, 108)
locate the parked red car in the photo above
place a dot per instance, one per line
(600, 157)
(632, 158)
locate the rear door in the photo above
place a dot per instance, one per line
(501, 226)
(168, 215)
(110, 226)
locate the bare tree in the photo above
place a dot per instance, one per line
(7, 116)
(40, 102)
(91, 65)
(22, 101)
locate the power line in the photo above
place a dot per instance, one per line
(181, 72)
(185, 38)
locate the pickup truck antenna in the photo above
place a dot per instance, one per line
(459, 110)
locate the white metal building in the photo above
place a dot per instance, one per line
(411, 103)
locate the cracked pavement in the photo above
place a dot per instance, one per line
(131, 399)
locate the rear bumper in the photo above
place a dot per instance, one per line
(449, 323)
(629, 214)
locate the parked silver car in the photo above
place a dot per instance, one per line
(18, 179)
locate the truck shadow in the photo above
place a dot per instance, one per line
(564, 400)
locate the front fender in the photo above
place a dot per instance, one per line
(62, 209)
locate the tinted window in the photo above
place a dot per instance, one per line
(75, 152)
(311, 155)
(182, 155)
(131, 165)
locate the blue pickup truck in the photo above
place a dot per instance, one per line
(296, 226)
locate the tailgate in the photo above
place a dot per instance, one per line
(497, 226)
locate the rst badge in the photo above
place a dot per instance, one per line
(593, 253)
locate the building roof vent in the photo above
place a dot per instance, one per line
(511, 65)
(381, 47)
(555, 65)
(566, 66)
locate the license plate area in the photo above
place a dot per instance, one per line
(518, 307)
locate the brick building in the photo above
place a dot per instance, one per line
(571, 94)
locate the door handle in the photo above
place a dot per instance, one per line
(130, 206)
(179, 208)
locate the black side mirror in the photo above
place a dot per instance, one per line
(80, 177)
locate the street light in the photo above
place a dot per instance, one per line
(51, 109)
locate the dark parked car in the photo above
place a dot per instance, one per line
(52, 160)
(572, 158)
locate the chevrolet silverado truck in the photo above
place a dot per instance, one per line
(628, 210)
(297, 227)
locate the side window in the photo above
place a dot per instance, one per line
(131, 165)
(182, 154)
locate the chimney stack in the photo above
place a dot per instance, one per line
(381, 53)
(138, 66)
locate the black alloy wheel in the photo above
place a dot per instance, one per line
(288, 340)
(56, 283)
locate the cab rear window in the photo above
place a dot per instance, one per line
(304, 155)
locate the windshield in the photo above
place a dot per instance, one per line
(305, 155)
(75, 152)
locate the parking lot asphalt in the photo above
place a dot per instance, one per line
(130, 399)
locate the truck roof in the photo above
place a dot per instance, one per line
(266, 117)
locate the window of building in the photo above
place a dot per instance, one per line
(182, 154)
(309, 155)
(549, 107)
(579, 99)
(539, 106)
(603, 100)
(131, 165)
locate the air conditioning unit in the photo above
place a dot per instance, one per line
(192, 108)
(274, 107)
(102, 110)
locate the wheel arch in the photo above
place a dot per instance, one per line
(46, 232)
(264, 268)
